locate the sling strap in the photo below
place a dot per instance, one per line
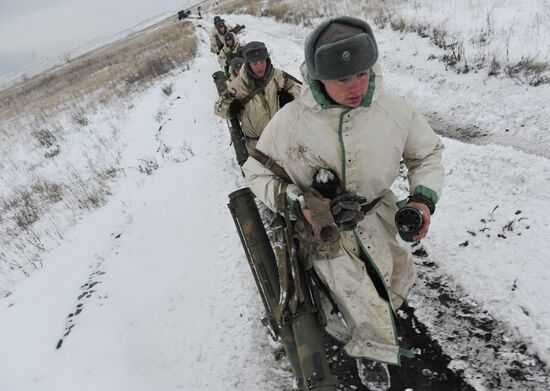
(365, 208)
(257, 90)
(289, 76)
(249, 97)
(270, 164)
(219, 42)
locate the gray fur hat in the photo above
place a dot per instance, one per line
(235, 62)
(255, 51)
(340, 47)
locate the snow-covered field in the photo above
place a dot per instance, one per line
(152, 290)
(158, 274)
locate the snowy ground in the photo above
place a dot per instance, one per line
(153, 291)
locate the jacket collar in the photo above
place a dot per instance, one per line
(313, 94)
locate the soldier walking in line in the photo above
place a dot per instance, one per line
(231, 49)
(235, 65)
(257, 93)
(217, 35)
(347, 130)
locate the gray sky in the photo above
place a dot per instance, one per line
(31, 30)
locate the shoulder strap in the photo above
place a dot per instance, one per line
(219, 42)
(256, 91)
(270, 164)
(288, 76)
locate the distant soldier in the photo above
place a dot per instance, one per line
(341, 145)
(223, 80)
(231, 49)
(257, 93)
(235, 66)
(217, 36)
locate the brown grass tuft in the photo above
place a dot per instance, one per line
(114, 71)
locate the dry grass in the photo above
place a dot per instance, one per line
(303, 11)
(283, 11)
(113, 71)
(454, 55)
(237, 6)
(530, 71)
(297, 14)
(43, 117)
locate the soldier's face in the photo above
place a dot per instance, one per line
(259, 67)
(349, 91)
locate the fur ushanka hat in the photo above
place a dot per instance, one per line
(340, 47)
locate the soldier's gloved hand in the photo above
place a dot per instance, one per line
(346, 209)
(235, 107)
(284, 97)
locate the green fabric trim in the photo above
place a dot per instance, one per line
(290, 202)
(319, 96)
(297, 192)
(406, 353)
(427, 192)
(397, 364)
(324, 101)
(342, 147)
(402, 203)
(359, 243)
(367, 100)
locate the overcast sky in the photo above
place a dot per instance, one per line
(34, 29)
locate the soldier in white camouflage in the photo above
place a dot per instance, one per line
(347, 126)
(257, 93)
(231, 49)
(217, 36)
(235, 66)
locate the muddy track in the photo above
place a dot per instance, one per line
(473, 134)
(462, 348)
(427, 371)
(458, 345)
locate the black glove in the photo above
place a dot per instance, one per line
(284, 97)
(235, 108)
(346, 209)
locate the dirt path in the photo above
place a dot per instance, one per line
(472, 134)
(462, 348)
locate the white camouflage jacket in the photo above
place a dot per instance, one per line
(216, 38)
(262, 107)
(364, 145)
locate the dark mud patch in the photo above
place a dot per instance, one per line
(473, 134)
(458, 345)
(482, 350)
(428, 370)
(461, 132)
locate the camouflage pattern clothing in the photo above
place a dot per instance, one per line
(227, 53)
(217, 40)
(262, 106)
(363, 146)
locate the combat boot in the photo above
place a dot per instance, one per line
(374, 374)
